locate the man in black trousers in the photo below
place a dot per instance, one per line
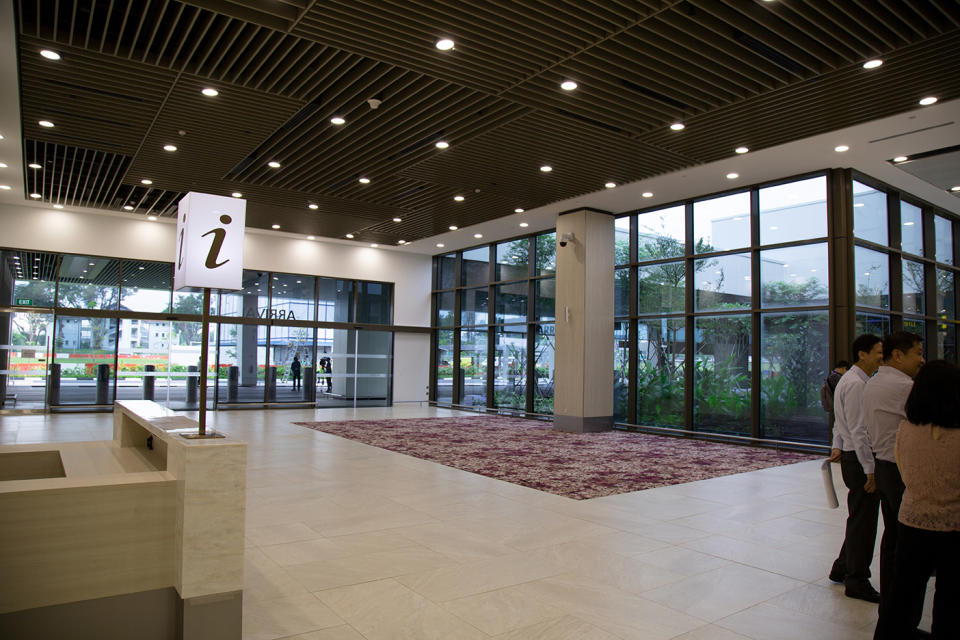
(851, 448)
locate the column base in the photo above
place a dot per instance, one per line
(581, 424)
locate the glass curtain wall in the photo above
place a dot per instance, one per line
(493, 308)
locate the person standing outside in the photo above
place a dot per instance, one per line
(295, 371)
(884, 402)
(851, 448)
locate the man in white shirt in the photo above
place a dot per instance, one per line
(851, 448)
(884, 400)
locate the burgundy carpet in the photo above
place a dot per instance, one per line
(580, 466)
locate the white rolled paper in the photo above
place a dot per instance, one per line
(832, 501)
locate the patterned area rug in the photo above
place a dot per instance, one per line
(579, 466)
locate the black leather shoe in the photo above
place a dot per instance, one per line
(837, 576)
(863, 592)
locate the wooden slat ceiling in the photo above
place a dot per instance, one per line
(737, 72)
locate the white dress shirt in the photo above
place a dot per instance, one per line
(884, 399)
(848, 430)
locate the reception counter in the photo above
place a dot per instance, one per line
(141, 536)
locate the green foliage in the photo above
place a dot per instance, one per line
(659, 394)
(721, 393)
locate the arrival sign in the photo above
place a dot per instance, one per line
(210, 242)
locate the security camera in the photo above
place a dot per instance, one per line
(565, 238)
(374, 102)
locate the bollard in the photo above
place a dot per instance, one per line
(309, 384)
(233, 383)
(53, 385)
(103, 383)
(193, 384)
(272, 384)
(148, 381)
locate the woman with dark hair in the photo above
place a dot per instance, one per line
(928, 454)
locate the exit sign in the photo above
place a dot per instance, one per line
(24, 302)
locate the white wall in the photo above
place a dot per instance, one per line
(116, 235)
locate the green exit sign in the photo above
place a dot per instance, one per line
(24, 302)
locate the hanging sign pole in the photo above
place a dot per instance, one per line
(209, 256)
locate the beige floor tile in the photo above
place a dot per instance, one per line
(565, 628)
(808, 567)
(768, 622)
(264, 579)
(280, 533)
(501, 611)
(343, 632)
(354, 569)
(293, 553)
(824, 603)
(713, 632)
(454, 542)
(718, 593)
(681, 560)
(269, 619)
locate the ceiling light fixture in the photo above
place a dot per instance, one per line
(732, 175)
(152, 218)
(273, 164)
(610, 185)
(45, 123)
(364, 180)
(872, 64)
(678, 126)
(901, 159)
(237, 194)
(35, 195)
(546, 168)
(398, 219)
(274, 226)
(374, 245)
(58, 206)
(169, 147)
(350, 236)
(313, 206)
(453, 227)
(458, 198)
(146, 181)
(478, 235)
(568, 85)
(128, 207)
(210, 92)
(442, 144)
(50, 55)
(928, 101)
(440, 244)
(841, 148)
(445, 44)
(5, 187)
(34, 165)
(308, 238)
(337, 120)
(524, 225)
(956, 188)
(742, 150)
(3, 165)
(401, 242)
(647, 194)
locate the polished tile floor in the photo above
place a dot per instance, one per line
(349, 542)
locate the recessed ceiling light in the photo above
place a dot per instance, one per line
(478, 235)
(908, 224)
(313, 206)
(50, 55)
(445, 44)
(35, 195)
(546, 168)
(859, 204)
(128, 207)
(901, 159)
(209, 92)
(374, 245)
(678, 126)
(237, 194)
(872, 64)
(742, 150)
(442, 144)
(840, 148)
(398, 219)
(568, 85)
(45, 123)
(732, 176)
(610, 185)
(146, 181)
(928, 100)
(364, 180)
(440, 244)
(274, 226)
(337, 120)
(401, 242)
(58, 206)
(956, 188)
(5, 187)
(350, 236)
(458, 198)
(34, 165)
(524, 225)
(453, 227)
(519, 210)
(273, 164)
(647, 194)
(89, 264)
(152, 218)
(308, 238)
(140, 268)
(169, 147)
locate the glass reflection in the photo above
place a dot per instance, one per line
(511, 302)
(146, 286)
(660, 288)
(794, 276)
(722, 283)
(661, 234)
(513, 259)
(945, 291)
(721, 223)
(911, 228)
(510, 367)
(473, 368)
(475, 266)
(869, 213)
(660, 371)
(794, 211)
(721, 388)
(444, 356)
(621, 240)
(872, 277)
(913, 281)
(473, 306)
(546, 299)
(542, 379)
(546, 254)
(943, 233)
(89, 283)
